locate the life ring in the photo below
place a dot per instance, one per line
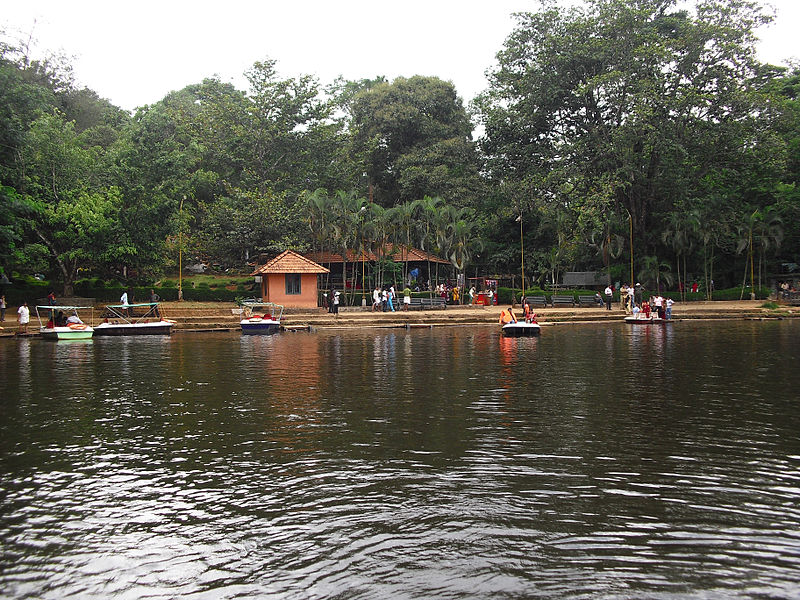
(76, 326)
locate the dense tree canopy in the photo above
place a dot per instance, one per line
(615, 135)
(618, 110)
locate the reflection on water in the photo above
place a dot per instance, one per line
(594, 461)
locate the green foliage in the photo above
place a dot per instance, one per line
(735, 293)
(613, 113)
(613, 130)
(206, 294)
(414, 138)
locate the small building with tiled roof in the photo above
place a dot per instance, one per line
(290, 279)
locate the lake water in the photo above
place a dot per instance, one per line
(595, 461)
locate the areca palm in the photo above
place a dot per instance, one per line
(319, 211)
(609, 246)
(711, 231)
(344, 213)
(425, 210)
(762, 227)
(463, 241)
(767, 234)
(654, 269)
(375, 234)
(682, 227)
(402, 219)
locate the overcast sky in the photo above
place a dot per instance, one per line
(134, 53)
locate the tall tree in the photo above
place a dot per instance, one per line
(639, 97)
(75, 222)
(414, 138)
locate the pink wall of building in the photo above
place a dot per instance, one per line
(273, 289)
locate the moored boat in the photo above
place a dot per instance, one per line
(521, 329)
(261, 318)
(641, 320)
(63, 322)
(134, 319)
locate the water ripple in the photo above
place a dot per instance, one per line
(591, 462)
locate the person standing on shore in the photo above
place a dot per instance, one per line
(336, 303)
(406, 298)
(658, 303)
(155, 299)
(2, 308)
(669, 303)
(376, 299)
(609, 297)
(24, 317)
(390, 300)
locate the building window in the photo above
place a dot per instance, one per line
(292, 284)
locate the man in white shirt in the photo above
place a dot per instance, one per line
(609, 296)
(658, 302)
(24, 317)
(376, 299)
(669, 303)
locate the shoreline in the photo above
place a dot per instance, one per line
(215, 316)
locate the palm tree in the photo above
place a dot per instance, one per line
(653, 269)
(711, 231)
(318, 209)
(765, 227)
(425, 210)
(463, 241)
(376, 235)
(679, 233)
(767, 233)
(345, 207)
(609, 246)
(360, 242)
(401, 218)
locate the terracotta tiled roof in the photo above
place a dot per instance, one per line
(396, 253)
(290, 262)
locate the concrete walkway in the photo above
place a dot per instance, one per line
(204, 316)
(216, 316)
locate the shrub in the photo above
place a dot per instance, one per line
(735, 292)
(206, 294)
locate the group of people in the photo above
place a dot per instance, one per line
(384, 300)
(508, 316)
(662, 307)
(786, 289)
(491, 295)
(59, 320)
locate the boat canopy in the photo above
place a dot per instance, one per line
(63, 307)
(131, 305)
(127, 314)
(250, 305)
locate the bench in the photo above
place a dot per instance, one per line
(536, 301)
(563, 300)
(588, 301)
(420, 302)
